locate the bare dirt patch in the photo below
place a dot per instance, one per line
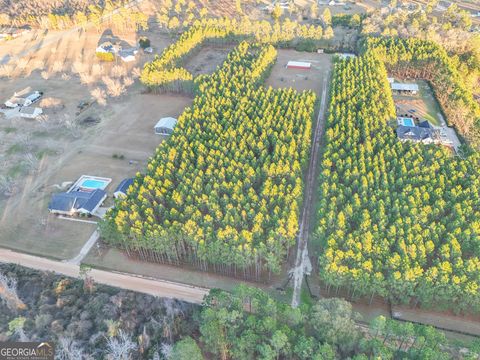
(207, 59)
(299, 79)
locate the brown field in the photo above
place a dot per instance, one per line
(299, 79)
(37, 156)
(207, 59)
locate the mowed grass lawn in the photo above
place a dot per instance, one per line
(425, 105)
(37, 232)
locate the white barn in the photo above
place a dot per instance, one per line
(165, 126)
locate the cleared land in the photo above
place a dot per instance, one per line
(207, 59)
(39, 156)
(422, 106)
(299, 79)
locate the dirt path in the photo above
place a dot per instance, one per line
(140, 284)
(302, 261)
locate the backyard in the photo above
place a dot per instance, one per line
(422, 106)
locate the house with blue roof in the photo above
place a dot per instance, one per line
(122, 188)
(77, 202)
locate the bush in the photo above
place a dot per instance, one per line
(186, 349)
(105, 56)
(144, 42)
(306, 45)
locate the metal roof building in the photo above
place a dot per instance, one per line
(165, 126)
(413, 88)
(122, 188)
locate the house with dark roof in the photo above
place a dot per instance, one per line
(122, 188)
(425, 124)
(77, 202)
(416, 134)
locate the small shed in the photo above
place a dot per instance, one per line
(122, 188)
(405, 88)
(30, 112)
(165, 126)
(299, 65)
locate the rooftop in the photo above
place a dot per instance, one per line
(404, 87)
(166, 122)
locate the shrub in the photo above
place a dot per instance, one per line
(105, 56)
(144, 42)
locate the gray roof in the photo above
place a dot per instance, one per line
(76, 200)
(166, 122)
(124, 185)
(425, 124)
(414, 133)
(404, 87)
(28, 110)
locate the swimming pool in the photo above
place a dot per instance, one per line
(406, 121)
(93, 184)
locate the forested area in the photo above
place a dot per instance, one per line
(224, 192)
(395, 219)
(414, 58)
(163, 72)
(452, 30)
(60, 15)
(88, 321)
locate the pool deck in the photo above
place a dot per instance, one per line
(78, 184)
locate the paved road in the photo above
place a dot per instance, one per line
(302, 260)
(160, 288)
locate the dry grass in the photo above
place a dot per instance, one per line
(99, 95)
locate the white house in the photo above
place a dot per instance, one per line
(165, 126)
(30, 112)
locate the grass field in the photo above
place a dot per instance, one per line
(424, 104)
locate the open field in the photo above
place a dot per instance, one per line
(424, 104)
(125, 130)
(41, 156)
(299, 79)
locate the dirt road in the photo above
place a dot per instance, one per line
(141, 284)
(302, 261)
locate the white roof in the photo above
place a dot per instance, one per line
(391, 80)
(404, 87)
(166, 122)
(299, 64)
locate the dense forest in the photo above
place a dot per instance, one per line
(224, 191)
(395, 219)
(91, 321)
